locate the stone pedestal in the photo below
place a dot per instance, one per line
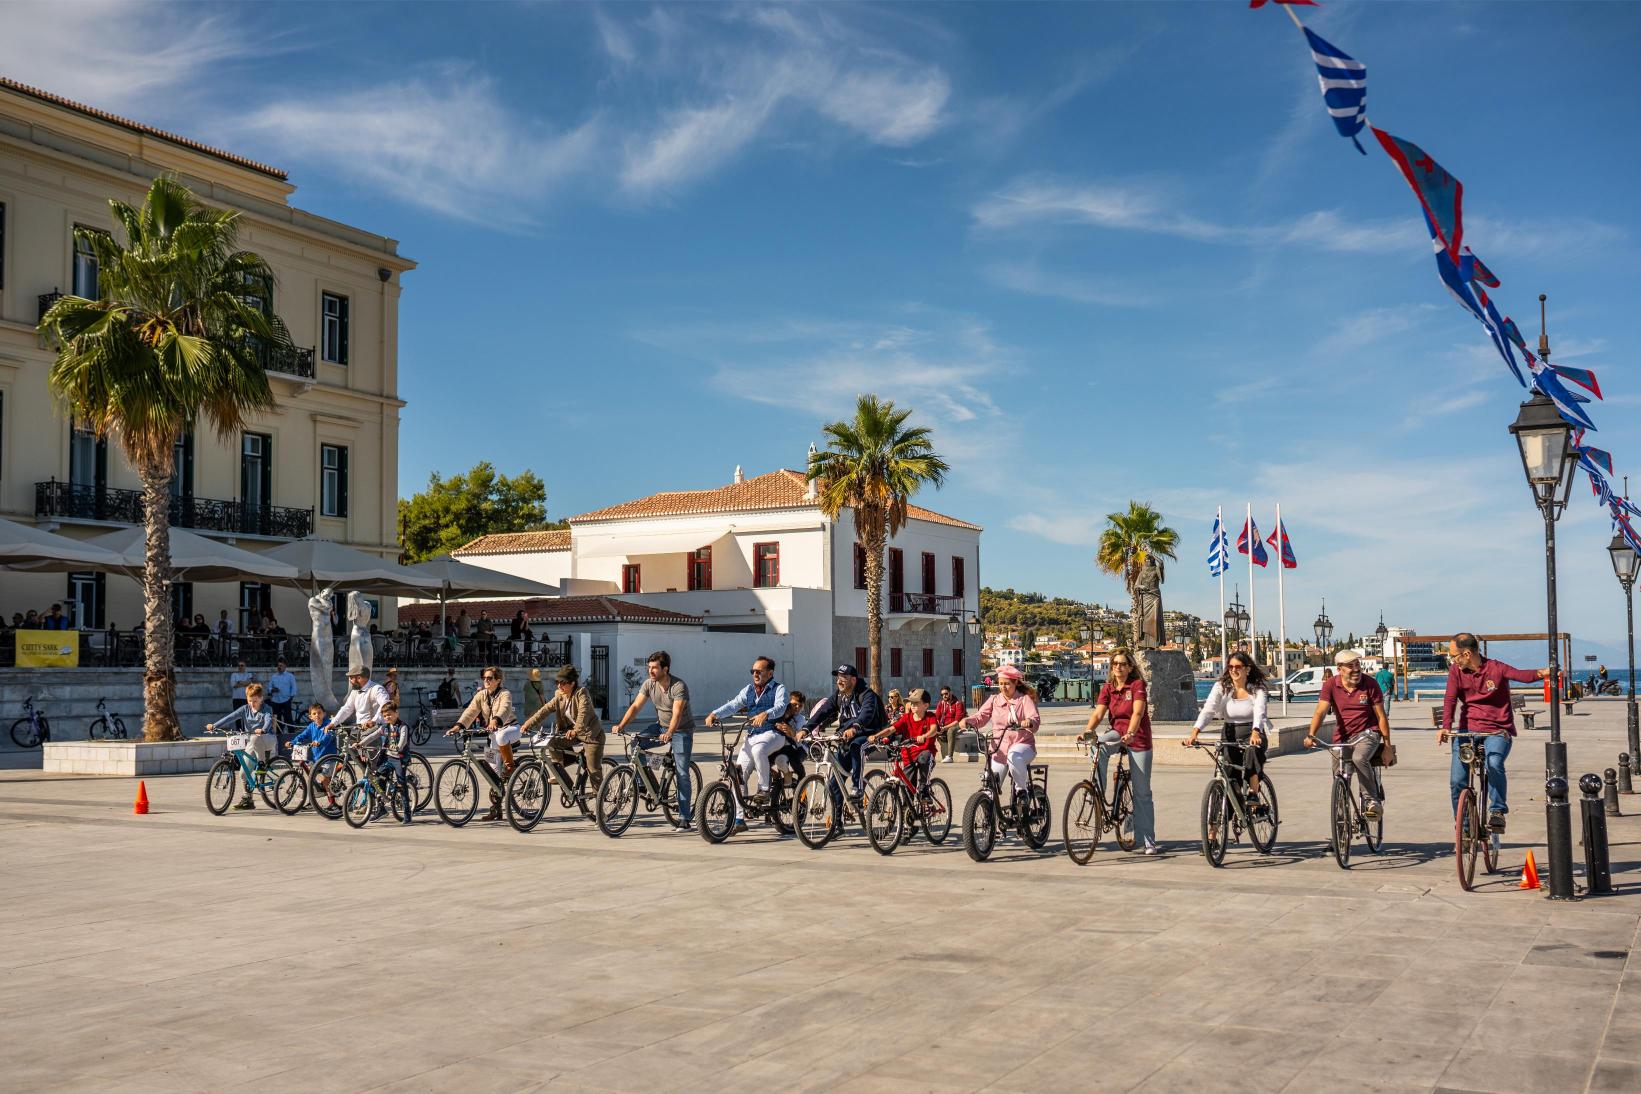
(130, 758)
(1171, 683)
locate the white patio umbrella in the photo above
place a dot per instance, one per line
(459, 579)
(26, 547)
(193, 557)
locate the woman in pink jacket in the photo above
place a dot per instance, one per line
(1013, 716)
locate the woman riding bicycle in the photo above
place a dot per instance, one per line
(1239, 697)
(1013, 717)
(1123, 697)
(575, 722)
(492, 709)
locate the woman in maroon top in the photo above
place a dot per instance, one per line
(1123, 697)
(1483, 686)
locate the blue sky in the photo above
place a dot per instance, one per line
(1107, 251)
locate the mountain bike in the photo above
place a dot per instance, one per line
(725, 799)
(106, 726)
(905, 799)
(647, 776)
(242, 766)
(456, 788)
(823, 803)
(1471, 836)
(1226, 809)
(1096, 806)
(1347, 818)
(988, 813)
(32, 729)
(529, 788)
(375, 793)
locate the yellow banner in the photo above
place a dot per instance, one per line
(48, 649)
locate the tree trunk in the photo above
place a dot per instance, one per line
(159, 683)
(869, 526)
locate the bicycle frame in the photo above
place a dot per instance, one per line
(1232, 781)
(991, 784)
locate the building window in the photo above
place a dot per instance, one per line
(928, 572)
(631, 582)
(87, 459)
(894, 662)
(928, 663)
(897, 579)
(255, 482)
(860, 567)
(85, 267)
(333, 328)
(700, 569)
(2, 244)
(255, 599)
(766, 565)
(333, 480)
(958, 589)
(83, 604)
(957, 662)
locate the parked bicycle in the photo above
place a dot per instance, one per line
(1471, 836)
(1097, 805)
(1228, 809)
(905, 799)
(241, 766)
(106, 726)
(1347, 816)
(988, 813)
(823, 802)
(647, 776)
(529, 791)
(32, 729)
(725, 797)
(422, 731)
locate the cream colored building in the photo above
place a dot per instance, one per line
(325, 463)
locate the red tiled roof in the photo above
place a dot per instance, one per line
(139, 127)
(507, 543)
(783, 489)
(550, 610)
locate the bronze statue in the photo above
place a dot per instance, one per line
(1148, 604)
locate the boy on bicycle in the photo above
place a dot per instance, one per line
(318, 737)
(395, 738)
(919, 729)
(260, 723)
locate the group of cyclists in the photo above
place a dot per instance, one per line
(780, 728)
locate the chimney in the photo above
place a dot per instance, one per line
(738, 476)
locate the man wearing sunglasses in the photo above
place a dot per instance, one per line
(1482, 686)
(763, 700)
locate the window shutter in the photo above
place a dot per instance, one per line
(345, 303)
(341, 481)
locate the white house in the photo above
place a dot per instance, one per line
(1010, 655)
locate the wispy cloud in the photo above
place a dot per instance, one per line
(1370, 328)
(1028, 277)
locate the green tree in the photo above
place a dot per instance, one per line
(1128, 540)
(873, 465)
(175, 337)
(457, 510)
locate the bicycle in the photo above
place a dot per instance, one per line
(364, 800)
(1471, 836)
(822, 803)
(906, 798)
(106, 726)
(422, 731)
(1347, 819)
(32, 729)
(647, 776)
(1092, 808)
(1225, 811)
(235, 770)
(986, 813)
(726, 797)
(527, 794)
(330, 777)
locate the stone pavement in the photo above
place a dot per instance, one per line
(181, 951)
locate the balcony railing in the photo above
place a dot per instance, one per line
(295, 361)
(925, 604)
(71, 501)
(47, 299)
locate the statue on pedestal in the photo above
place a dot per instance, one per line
(1148, 630)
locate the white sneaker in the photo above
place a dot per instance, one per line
(947, 760)
(1150, 849)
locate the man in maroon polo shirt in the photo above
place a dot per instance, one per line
(1358, 707)
(1483, 686)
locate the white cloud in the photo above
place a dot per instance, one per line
(1371, 327)
(1025, 277)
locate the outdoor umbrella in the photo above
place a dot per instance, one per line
(25, 547)
(458, 579)
(193, 557)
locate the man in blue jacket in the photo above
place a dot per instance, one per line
(763, 701)
(859, 713)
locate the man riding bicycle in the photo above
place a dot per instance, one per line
(1358, 708)
(674, 723)
(576, 722)
(763, 700)
(1482, 685)
(859, 712)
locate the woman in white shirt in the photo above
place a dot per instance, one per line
(1239, 697)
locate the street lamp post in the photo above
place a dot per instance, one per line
(1626, 564)
(1323, 626)
(1236, 618)
(1548, 460)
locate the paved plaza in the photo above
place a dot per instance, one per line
(183, 952)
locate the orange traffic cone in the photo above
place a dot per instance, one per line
(140, 808)
(1529, 874)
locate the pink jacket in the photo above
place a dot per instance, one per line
(1020, 712)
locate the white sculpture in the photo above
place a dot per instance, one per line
(321, 651)
(359, 645)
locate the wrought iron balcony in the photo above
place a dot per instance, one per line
(924, 604)
(47, 299)
(71, 501)
(295, 361)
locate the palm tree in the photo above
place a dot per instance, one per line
(873, 465)
(1129, 538)
(175, 336)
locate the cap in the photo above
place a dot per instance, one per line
(845, 670)
(1345, 657)
(1010, 672)
(535, 674)
(918, 695)
(356, 667)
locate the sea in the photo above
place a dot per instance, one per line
(1436, 681)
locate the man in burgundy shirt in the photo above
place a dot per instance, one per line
(1483, 686)
(948, 715)
(1358, 707)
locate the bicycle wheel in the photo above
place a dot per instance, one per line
(1123, 815)
(24, 734)
(937, 812)
(1489, 847)
(1341, 834)
(617, 802)
(360, 804)
(97, 730)
(814, 813)
(1263, 825)
(119, 727)
(715, 812)
(419, 777)
(669, 794)
(1467, 836)
(780, 803)
(422, 733)
(328, 785)
(870, 782)
(525, 802)
(1216, 823)
(885, 818)
(268, 778)
(291, 792)
(456, 792)
(221, 782)
(1082, 822)
(1373, 831)
(980, 826)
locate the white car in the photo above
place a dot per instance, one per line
(1305, 681)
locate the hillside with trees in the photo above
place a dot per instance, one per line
(1007, 610)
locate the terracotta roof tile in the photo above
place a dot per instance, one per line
(551, 610)
(783, 489)
(139, 127)
(507, 543)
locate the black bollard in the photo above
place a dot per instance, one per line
(1625, 784)
(1558, 832)
(1609, 781)
(1597, 868)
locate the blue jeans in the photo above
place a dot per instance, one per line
(683, 744)
(1496, 746)
(1139, 773)
(395, 768)
(852, 759)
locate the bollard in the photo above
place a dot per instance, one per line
(1625, 784)
(1558, 834)
(1609, 781)
(1597, 868)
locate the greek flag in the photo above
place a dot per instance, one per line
(1344, 86)
(1219, 552)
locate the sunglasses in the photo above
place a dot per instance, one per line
(489, 677)
(1115, 664)
(761, 672)
(1239, 665)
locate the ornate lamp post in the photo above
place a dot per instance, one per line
(1626, 564)
(1091, 631)
(1548, 460)
(1324, 630)
(1236, 619)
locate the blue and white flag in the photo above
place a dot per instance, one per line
(1344, 86)
(1219, 552)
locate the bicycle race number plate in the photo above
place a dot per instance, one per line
(238, 742)
(299, 753)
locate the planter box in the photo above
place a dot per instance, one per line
(130, 758)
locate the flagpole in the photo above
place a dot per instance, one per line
(1292, 16)
(1282, 605)
(1253, 612)
(1219, 522)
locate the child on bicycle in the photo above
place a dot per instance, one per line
(919, 728)
(395, 738)
(258, 720)
(318, 738)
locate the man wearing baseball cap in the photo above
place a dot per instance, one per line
(859, 713)
(1359, 720)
